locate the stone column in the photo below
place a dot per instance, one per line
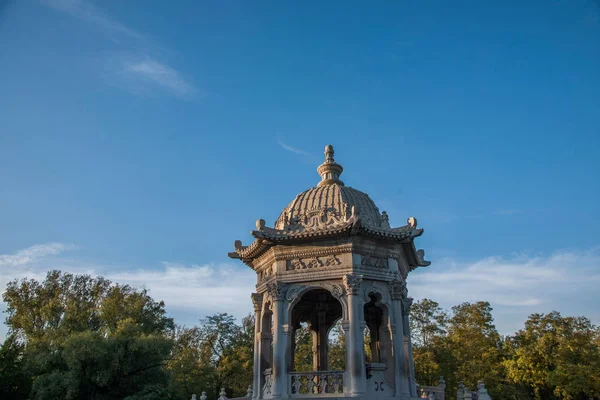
(355, 347)
(322, 339)
(257, 302)
(401, 374)
(314, 334)
(406, 303)
(280, 337)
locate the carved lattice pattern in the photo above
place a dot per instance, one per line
(317, 383)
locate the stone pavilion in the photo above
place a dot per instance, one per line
(333, 256)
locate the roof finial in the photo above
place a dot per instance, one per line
(329, 154)
(330, 170)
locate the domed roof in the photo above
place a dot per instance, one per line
(330, 210)
(330, 203)
(334, 202)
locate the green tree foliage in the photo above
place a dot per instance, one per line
(558, 357)
(337, 347)
(303, 350)
(474, 346)
(226, 353)
(78, 337)
(428, 325)
(82, 337)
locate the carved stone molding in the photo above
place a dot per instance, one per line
(374, 262)
(294, 291)
(397, 289)
(257, 299)
(353, 283)
(319, 252)
(266, 273)
(276, 290)
(314, 262)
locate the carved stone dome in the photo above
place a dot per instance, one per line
(333, 201)
(330, 203)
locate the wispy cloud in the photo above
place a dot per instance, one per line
(161, 75)
(292, 149)
(139, 71)
(518, 285)
(33, 254)
(89, 13)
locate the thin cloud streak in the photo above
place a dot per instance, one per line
(33, 253)
(292, 149)
(87, 12)
(161, 75)
(138, 72)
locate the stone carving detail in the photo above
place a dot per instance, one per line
(268, 381)
(385, 220)
(292, 293)
(374, 262)
(265, 273)
(257, 301)
(397, 289)
(353, 283)
(315, 218)
(412, 222)
(313, 262)
(316, 384)
(332, 260)
(276, 290)
(421, 258)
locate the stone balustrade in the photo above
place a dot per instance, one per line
(317, 384)
(433, 392)
(464, 393)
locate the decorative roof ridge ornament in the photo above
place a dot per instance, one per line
(330, 171)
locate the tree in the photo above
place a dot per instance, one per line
(474, 347)
(226, 349)
(428, 323)
(303, 348)
(558, 357)
(84, 337)
(337, 347)
(14, 383)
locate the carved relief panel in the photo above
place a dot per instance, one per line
(374, 262)
(312, 262)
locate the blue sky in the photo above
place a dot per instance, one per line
(139, 139)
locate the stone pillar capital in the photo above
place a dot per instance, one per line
(257, 301)
(276, 290)
(353, 282)
(397, 289)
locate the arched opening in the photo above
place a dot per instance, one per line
(377, 336)
(313, 319)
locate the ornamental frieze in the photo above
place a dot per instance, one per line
(313, 219)
(313, 262)
(374, 262)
